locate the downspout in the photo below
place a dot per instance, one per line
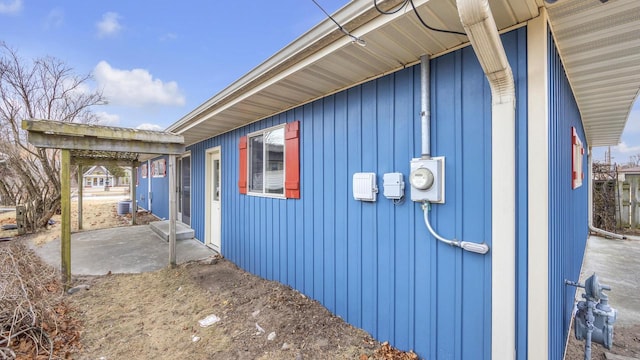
(478, 23)
(590, 186)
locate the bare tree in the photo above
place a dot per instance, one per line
(45, 88)
(634, 160)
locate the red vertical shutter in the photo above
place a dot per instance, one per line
(242, 176)
(292, 160)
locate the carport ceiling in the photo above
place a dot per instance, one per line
(600, 49)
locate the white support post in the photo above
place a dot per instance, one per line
(80, 189)
(173, 210)
(538, 196)
(132, 187)
(65, 227)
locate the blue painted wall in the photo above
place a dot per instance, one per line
(159, 191)
(568, 208)
(142, 190)
(374, 264)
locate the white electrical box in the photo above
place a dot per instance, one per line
(427, 180)
(364, 186)
(393, 186)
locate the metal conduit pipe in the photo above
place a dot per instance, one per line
(425, 112)
(592, 228)
(480, 26)
(425, 115)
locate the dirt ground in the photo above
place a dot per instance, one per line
(156, 315)
(626, 342)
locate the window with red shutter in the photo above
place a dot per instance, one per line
(577, 153)
(242, 176)
(292, 162)
(270, 162)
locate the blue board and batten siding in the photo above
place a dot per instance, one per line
(568, 208)
(159, 194)
(374, 264)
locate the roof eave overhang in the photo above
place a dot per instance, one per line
(312, 42)
(323, 61)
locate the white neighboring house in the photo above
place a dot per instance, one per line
(99, 177)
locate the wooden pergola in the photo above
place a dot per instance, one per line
(87, 145)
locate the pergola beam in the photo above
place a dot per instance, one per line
(84, 161)
(72, 142)
(104, 132)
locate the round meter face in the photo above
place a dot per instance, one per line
(421, 178)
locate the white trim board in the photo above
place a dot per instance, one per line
(538, 188)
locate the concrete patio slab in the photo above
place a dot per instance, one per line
(617, 264)
(132, 249)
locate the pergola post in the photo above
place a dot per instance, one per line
(132, 186)
(65, 236)
(80, 189)
(90, 144)
(173, 210)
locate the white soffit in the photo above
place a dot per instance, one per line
(600, 48)
(324, 61)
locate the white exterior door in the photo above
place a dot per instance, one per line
(214, 190)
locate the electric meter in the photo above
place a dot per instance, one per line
(427, 180)
(421, 178)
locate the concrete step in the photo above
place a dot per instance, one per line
(183, 232)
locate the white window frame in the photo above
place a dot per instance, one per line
(284, 163)
(159, 168)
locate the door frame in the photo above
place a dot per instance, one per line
(179, 181)
(210, 153)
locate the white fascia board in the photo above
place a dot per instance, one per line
(538, 188)
(345, 15)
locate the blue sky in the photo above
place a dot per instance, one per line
(157, 60)
(630, 142)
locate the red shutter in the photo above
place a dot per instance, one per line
(292, 160)
(164, 167)
(242, 176)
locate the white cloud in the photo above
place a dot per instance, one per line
(135, 87)
(104, 118)
(54, 19)
(10, 7)
(109, 25)
(626, 149)
(168, 37)
(147, 126)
